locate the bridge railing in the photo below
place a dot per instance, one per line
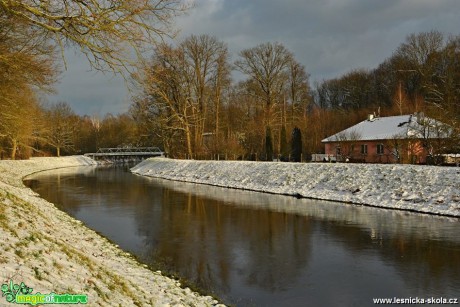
(127, 151)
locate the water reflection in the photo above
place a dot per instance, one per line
(255, 249)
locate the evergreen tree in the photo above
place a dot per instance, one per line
(296, 151)
(284, 150)
(268, 145)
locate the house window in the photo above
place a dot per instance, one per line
(364, 149)
(380, 149)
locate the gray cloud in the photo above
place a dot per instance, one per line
(329, 37)
(88, 91)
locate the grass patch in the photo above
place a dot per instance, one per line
(32, 238)
(3, 260)
(19, 253)
(3, 221)
(101, 294)
(57, 265)
(3, 217)
(37, 273)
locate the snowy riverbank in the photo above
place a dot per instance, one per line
(426, 189)
(51, 252)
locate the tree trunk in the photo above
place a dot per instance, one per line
(216, 135)
(14, 148)
(189, 140)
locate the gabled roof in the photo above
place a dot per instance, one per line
(392, 127)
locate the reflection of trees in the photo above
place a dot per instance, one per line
(426, 265)
(272, 254)
(279, 246)
(222, 244)
(98, 186)
(213, 242)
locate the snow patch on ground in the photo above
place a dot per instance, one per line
(51, 252)
(425, 189)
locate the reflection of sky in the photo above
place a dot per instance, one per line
(364, 272)
(115, 225)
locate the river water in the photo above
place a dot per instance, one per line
(255, 249)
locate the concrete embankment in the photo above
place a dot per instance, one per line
(425, 189)
(51, 252)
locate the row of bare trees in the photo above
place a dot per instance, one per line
(189, 103)
(193, 101)
(423, 74)
(56, 130)
(182, 92)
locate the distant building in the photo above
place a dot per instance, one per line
(405, 139)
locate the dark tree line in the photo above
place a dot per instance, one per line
(422, 74)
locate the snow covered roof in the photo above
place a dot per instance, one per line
(392, 127)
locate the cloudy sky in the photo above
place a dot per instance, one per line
(329, 37)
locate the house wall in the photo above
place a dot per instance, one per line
(410, 151)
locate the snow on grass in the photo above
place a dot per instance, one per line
(426, 189)
(52, 252)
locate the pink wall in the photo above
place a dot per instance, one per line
(410, 152)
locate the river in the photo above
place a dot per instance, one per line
(255, 249)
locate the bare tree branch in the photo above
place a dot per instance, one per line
(107, 32)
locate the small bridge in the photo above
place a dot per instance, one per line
(126, 153)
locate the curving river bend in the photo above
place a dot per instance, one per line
(254, 249)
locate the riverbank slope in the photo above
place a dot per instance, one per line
(426, 189)
(50, 251)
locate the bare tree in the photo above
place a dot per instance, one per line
(25, 67)
(433, 135)
(207, 66)
(419, 47)
(298, 89)
(220, 82)
(61, 124)
(267, 64)
(397, 148)
(118, 131)
(181, 86)
(25, 60)
(346, 144)
(18, 121)
(107, 32)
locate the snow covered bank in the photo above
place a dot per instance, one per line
(427, 189)
(52, 252)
